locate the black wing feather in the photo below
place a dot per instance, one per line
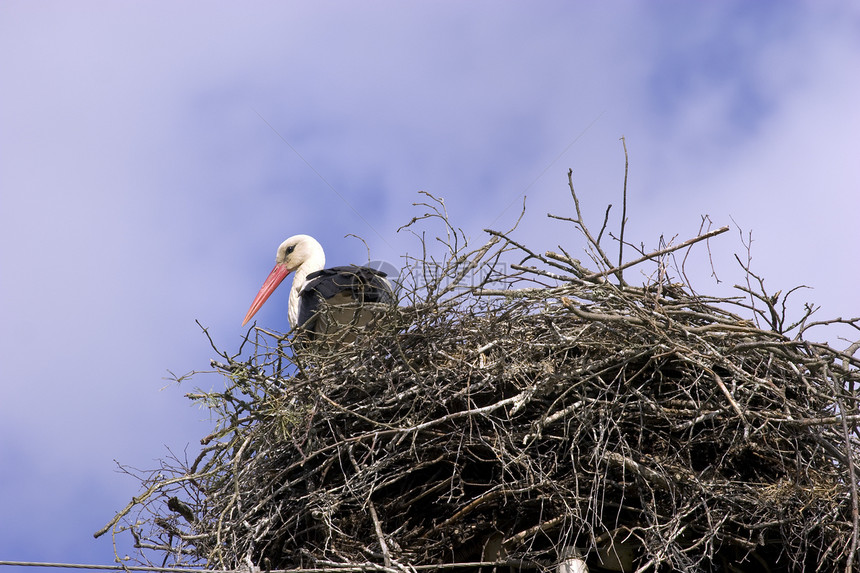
(365, 285)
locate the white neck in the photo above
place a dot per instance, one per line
(315, 262)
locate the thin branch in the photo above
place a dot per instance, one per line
(657, 253)
(623, 207)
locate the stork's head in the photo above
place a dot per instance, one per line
(298, 252)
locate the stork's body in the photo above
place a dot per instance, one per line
(324, 300)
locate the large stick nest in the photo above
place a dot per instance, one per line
(525, 412)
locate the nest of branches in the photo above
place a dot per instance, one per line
(524, 414)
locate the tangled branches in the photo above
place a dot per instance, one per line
(540, 411)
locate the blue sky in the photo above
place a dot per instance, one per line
(143, 185)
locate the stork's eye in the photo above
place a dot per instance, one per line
(290, 249)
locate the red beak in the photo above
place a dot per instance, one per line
(278, 274)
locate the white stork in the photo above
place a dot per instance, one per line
(323, 300)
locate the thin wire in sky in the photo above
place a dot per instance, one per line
(330, 186)
(551, 163)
